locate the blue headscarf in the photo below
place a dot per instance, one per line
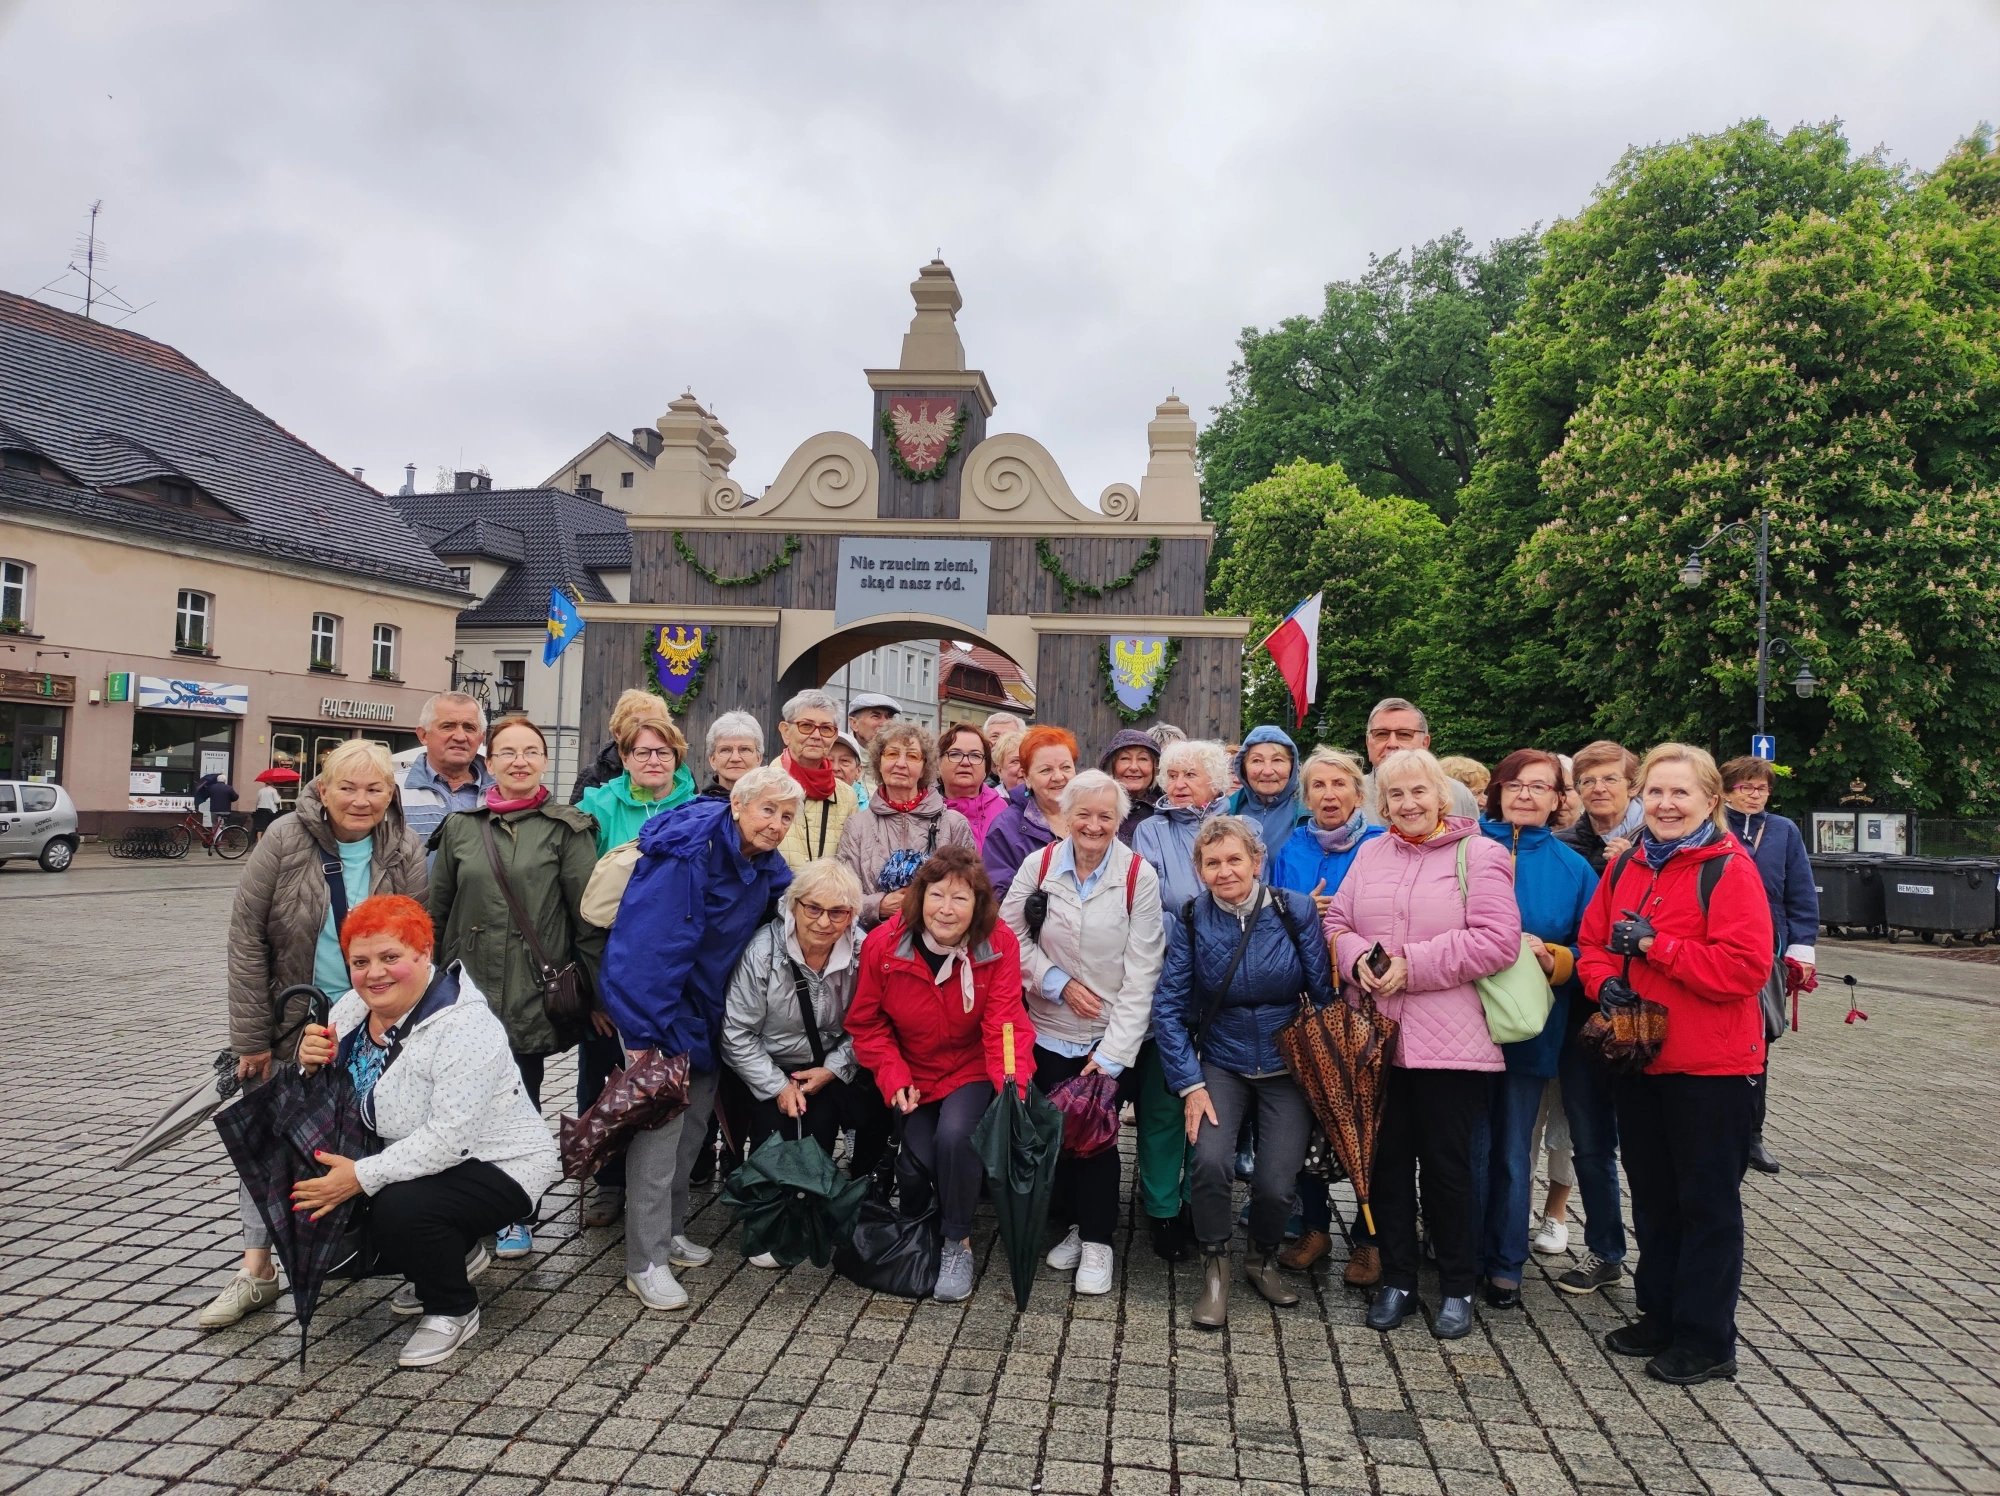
(1656, 852)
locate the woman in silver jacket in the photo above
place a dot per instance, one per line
(804, 1084)
(1087, 977)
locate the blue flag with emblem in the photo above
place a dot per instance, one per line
(565, 625)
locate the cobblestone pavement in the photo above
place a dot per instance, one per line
(1870, 1357)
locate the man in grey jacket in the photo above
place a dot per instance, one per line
(1393, 725)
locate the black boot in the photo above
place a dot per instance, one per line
(1760, 1156)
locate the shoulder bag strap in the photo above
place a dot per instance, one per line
(1228, 977)
(825, 810)
(520, 916)
(1131, 881)
(1618, 871)
(930, 841)
(1710, 875)
(336, 888)
(802, 989)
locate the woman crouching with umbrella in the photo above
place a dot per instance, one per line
(465, 1149)
(939, 982)
(1239, 960)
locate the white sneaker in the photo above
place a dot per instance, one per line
(767, 1261)
(683, 1253)
(1093, 1275)
(657, 1289)
(1065, 1254)
(239, 1296)
(436, 1337)
(1553, 1239)
(404, 1300)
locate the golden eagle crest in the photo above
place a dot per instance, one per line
(1138, 667)
(678, 649)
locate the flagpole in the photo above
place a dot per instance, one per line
(562, 677)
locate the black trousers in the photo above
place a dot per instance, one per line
(1429, 1118)
(424, 1227)
(1686, 1142)
(837, 1105)
(532, 1067)
(597, 1055)
(1086, 1192)
(939, 1134)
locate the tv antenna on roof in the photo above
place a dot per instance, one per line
(95, 296)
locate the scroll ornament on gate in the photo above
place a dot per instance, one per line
(924, 435)
(1136, 667)
(678, 655)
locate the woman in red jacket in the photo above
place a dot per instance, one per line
(926, 1020)
(1681, 918)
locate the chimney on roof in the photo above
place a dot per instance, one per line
(647, 439)
(464, 482)
(409, 478)
(357, 474)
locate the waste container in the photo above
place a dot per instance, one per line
(1850, 891)
(1948, 897)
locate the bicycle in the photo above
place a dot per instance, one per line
(225, 839)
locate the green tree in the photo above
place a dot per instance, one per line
(1308, 529)
(1387, 381)
(1689, 212)
(1845, 377)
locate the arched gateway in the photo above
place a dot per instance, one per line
(933, 530)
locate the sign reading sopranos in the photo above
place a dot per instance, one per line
(343, 710)
(163, 693)
(890, 575)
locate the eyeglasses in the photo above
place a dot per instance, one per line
(814, 914)
(1529, 787)
(964, 756)
(815, 729)
(1395, 734)
(1601, 782)
(525, 755)
(651, 755)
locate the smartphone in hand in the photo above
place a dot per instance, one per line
(1378, 960)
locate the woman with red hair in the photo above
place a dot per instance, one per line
(465, 1150)
(1033, 818)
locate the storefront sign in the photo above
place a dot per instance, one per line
(118, 686)
(159, 802)
(158, 693)
(214, 762)
(33, 685)
(357, 711)
(144, 781)
(886, 575)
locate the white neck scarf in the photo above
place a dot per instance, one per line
(959, 956)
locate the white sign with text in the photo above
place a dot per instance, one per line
(888, 575)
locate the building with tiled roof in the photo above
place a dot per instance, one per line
(185, 586)
(974, 682)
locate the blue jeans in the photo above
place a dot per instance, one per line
(1593, 1139)
(1503, 1239)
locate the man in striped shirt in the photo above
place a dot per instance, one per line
(451, 775)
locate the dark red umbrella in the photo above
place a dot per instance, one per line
(1089, 1105)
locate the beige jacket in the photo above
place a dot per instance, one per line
(281, 905)
(817, 828)
(877, 831)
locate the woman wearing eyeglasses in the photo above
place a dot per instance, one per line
(545, 850)
(656, 776)
(804, 1082)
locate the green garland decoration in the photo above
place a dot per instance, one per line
(936, 471)
(676, 705)
(1045, 552)
(1126, 714)
(769, 569)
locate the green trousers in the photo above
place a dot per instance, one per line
(1164, 1154)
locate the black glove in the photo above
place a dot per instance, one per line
(1628, 932)
(1616, 993)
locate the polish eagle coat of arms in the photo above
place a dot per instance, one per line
(1136, 663)
(925, 432)
(679, 651)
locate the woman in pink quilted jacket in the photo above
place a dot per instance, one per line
(1424, 913)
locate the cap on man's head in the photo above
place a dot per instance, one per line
(869, 699)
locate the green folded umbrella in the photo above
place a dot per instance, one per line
(792, 1202)
(1020, 1141)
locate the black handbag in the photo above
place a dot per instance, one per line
(565, 990)
(892, 1252)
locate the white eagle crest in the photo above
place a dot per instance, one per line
(924, 437)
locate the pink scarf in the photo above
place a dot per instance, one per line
(954, 955)
(500, 805)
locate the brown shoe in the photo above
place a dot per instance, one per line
(1364, 1267)
(1263, 1274)
(1211, 1310)
(1303, 1253)
(605, 1207)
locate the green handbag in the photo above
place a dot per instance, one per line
(1518, 1000)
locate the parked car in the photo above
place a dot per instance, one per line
(38, 821)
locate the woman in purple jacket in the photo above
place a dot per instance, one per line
(1034, 818)
(1436, 899)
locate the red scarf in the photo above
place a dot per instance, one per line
(1417, 841)
(903, 807)
(500, 805)
(817, 783)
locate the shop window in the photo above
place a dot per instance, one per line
(382, 658)
(194, 616)
(288, 751)
(14, 596)
(31, 742)
(325, 642)
(170, 754)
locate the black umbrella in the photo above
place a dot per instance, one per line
(1020, 1140)
(187, 1111)
(274, 1135)
(792, 1202)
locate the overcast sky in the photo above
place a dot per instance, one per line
(483, 234)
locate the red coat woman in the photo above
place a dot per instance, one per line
(938, 985)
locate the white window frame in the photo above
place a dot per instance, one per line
(382, 650)
(331, 634)
(16, 589)
(193, 606)
(924, 675)
(909, 671)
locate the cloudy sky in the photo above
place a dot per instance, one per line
(482, 234)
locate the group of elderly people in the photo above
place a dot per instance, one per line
(851, 947)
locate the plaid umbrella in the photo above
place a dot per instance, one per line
(1336, 1053)
(274, 1135)
(792, 1202)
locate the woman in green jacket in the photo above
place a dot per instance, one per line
(546, 850)
(656, 776)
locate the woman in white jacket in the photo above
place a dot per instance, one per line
(1088, 977)
(465, 1151)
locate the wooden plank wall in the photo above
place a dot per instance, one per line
(1203, 697)
(611, 663)
(743, 673)
(898, 497)
(1175, 584)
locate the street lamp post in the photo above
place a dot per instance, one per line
(1805, 682)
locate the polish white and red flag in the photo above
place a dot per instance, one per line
(1294, 648)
